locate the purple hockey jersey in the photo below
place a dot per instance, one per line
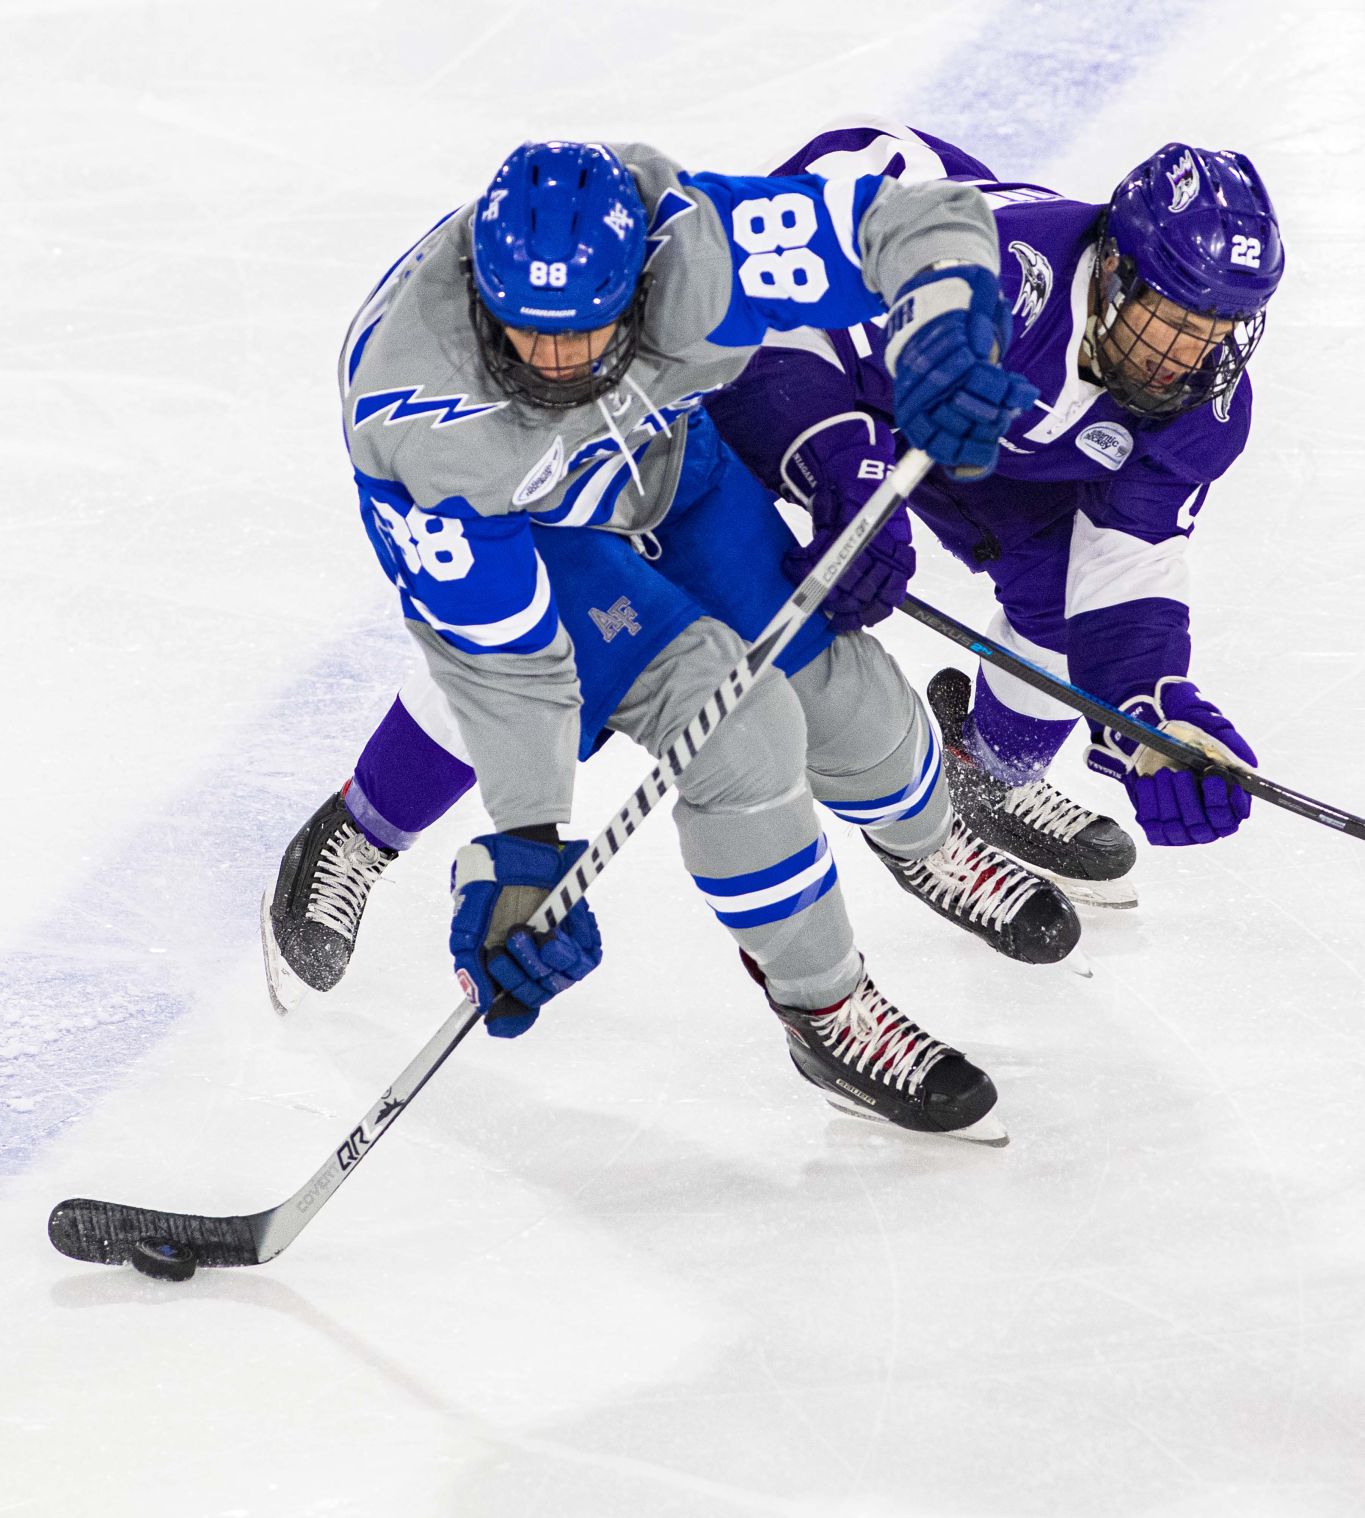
(1084, 524)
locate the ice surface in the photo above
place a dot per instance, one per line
(630, 1265)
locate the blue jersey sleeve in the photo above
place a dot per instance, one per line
(476, 580)
(794, 251)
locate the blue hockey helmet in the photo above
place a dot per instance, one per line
(559, 238)
(1196, 228)
(558, 246)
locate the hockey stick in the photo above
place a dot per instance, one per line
(108, 1232)
(1184, 754)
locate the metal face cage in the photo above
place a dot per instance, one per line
(1152, 362)
(516, 377)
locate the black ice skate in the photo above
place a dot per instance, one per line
(1019, 914)
(1086, 854)
(871, 1061)
(308, 927)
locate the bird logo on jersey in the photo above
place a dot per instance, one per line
(1184, 178)
(1035, 283)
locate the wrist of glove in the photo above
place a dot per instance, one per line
(948, 331)
(1175, 807)
(841, 468)
(498, 882)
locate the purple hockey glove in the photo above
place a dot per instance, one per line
(1176, 807)
(839, 469)
(949, 328)
(499, 881)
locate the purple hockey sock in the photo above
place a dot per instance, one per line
(404, 780)
(1014, 748)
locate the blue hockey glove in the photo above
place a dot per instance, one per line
(1176, 807)
(949, 328)
(498, 882)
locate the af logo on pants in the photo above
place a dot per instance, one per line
(618, 617)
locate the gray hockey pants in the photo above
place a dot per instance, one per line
(847, 731)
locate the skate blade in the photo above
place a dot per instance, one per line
(1111, 895)
(987, 1130)
(284, 988)
(1078, 964)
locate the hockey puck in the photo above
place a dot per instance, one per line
(163, 1259)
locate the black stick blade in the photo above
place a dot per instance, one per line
(105, 1233)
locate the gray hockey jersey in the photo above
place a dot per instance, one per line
(452, 473)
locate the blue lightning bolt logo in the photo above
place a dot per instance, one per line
(403, 405)
(672, 204)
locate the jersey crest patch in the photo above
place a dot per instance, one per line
(1035, 283)
(403, 405)
(1107, 443)
(544, 476)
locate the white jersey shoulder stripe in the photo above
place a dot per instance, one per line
(1077, 395)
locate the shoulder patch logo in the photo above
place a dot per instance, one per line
(544, 476)
(1107, 443)
(1184, 178)
(1035, 283)
(403, 405)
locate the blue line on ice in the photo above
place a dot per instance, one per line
(174, 910)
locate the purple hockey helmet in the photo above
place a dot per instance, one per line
(1195, 226)
(558, 246)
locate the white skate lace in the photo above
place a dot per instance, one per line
(347, 868)
(869, 1035)
(1043, 806)
(972, 879)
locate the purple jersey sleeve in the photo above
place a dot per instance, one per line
(1127, 588)
(885, 148)
(796, 420)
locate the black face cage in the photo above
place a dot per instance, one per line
(1134, 361)
(515, 377)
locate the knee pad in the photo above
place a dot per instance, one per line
(858, 707)
(756, 757)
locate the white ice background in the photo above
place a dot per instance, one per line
(630, 1265)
